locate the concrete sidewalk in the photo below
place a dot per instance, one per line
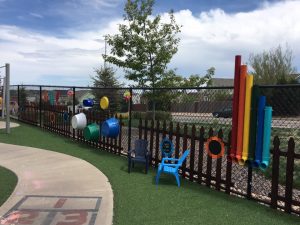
(3, 124)
(54, 188)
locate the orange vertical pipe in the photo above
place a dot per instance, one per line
(240, 125)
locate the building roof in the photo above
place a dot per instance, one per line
(221, 82)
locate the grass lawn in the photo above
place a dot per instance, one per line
(137, 200)
(8, 182)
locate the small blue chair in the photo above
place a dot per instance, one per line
(171, 168)
(139, 154)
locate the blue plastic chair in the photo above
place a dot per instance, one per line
(171, 168)
(139, 154)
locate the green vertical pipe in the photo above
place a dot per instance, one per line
(253, 123)
(267, 138)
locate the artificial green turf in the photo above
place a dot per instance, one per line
(8, 182)
(137, 200)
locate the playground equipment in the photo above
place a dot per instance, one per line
(249, 85)
(79, 121)
(91, 132)
(166, 147)
(104, 103)
(266, 139)
(260, 130)
(6, 96)
(250, 131)
(235, 106)
(110, 128)
(215, 147)
(123, 115)
(241, 112)
(88, 102)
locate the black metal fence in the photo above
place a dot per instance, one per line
(188, 116)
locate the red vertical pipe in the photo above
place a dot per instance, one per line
(240, 130)
(235, 106)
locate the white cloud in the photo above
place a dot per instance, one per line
(208, 39)
(36, 15)
(213, 38)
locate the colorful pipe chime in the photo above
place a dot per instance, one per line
(251, 121)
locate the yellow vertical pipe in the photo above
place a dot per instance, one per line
(248, 91)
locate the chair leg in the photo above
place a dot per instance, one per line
(157, 176)
(132, 164)
(177, 179)
(129, 165)
(147, 166)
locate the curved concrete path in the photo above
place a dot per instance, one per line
(55, 189)
(12, 124)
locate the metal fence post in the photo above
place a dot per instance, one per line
(18, 102)
(73, 113)
(129, 123)
(40, 106)
(7, 89)
(249, 182)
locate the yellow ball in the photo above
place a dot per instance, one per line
(104, 102)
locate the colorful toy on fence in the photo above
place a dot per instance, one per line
(215, 147)
(79, 121)
(260, 130)
(123, 115)
(166, 146)
(104, 102)
(127, 96)
(266, 139)
(88, 102)
(91, 132)
(57, 96)
(235, 107)
(241, 112)
(51, 97)
(110, 128)
(70, 93)
(253, 124)
(250, 132)
(52, 117)
(66, 116)
(248, 90)
(45, 96)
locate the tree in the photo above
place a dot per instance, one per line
(273, 67)
(104, 80)
(165, 98)
(144, 45)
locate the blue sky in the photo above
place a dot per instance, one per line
(61, 41)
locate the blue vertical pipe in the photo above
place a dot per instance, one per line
(260, 131)
(267, 138)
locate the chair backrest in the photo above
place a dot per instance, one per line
(140, 147)
(183, 157)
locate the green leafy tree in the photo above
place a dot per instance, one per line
(273, 66)
(144, 45)
(104, 80)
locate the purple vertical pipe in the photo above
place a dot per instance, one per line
(235, 106)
